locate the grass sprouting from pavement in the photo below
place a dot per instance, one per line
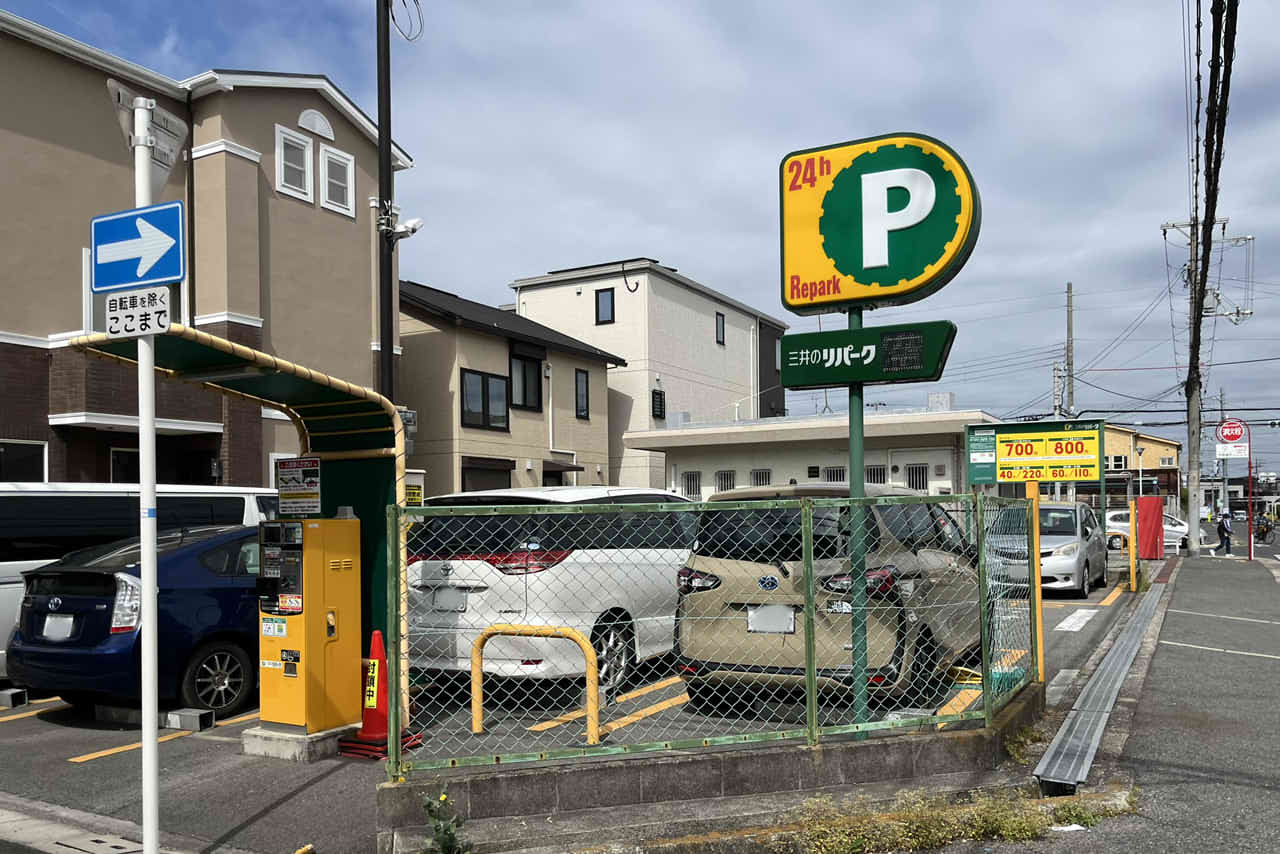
(917, 822)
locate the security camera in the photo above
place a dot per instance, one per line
(408, 228)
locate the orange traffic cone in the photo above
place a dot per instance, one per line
(370, 741)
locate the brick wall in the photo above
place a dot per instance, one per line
(24, 377)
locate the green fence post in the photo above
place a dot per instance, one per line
(810, 617)
(1033, 590)
(394, 571)
(984, 610)
(857, 548)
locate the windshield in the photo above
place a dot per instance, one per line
(922, 526)
(1057, 522)
(122, 553)
(769, 534)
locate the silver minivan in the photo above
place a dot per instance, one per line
(40, 522)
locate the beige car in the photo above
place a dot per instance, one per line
(740, 619)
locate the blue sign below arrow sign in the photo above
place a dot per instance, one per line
(137, 248)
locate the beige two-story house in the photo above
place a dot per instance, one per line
(502, 400)
(277, 172)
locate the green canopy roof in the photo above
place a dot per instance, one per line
(333, 416)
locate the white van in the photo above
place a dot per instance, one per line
(611, 577)
(40, 522)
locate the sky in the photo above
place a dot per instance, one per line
(559, 134)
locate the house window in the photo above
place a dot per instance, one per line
(658, 404)
(692, 483)
(918, 476)
(719, 328)
(23, 461)
(293, 164)
(725, 480)
(604, 306)
(833, 474)
(1119, 462)
(484, 400)
(526, 383)
(337, 181)
(812, 472)
(761, 477)
(124, 465)
(582, 393)
(876, 474)
(1166, 462)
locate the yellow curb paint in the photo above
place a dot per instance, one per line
(239, 720)
(646, 712)
(1112, 596)
(126, 748)
(21, 715)
(622, 698)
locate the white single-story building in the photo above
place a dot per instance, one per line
(920, 450)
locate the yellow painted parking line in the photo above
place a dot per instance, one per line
(960, 701)
(239, 720)
(622, 698)
(45, 700)
(1112, 596)
(1010, 658)
(21, 715)
(647, 711)
(125, 748)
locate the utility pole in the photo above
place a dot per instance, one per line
(1071, 353)
(1222, 416)
(1057, 413)
(386, 210)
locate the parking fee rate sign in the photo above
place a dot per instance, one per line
(874, 222)
(1067, 451)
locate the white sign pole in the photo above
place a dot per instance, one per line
(143, 142)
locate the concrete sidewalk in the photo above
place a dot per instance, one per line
(1204, 746)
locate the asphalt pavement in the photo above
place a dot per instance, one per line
(1205, 742)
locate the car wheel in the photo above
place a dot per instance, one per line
(613, 641)
(1082, 592)
(80, 701)
(219, 677)
(925, 682)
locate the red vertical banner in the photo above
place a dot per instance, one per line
(1150, 527)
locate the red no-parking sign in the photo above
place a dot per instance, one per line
(1231, 431)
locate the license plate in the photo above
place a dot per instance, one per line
(772, 619)
(449, 599)
(58, 626)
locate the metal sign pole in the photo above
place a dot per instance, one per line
(143, 142)
(857, 547)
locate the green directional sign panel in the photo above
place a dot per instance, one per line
(905, 353)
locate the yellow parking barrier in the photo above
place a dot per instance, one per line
(504, 629)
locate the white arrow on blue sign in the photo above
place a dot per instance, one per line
(139, 247)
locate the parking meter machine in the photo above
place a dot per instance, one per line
(309, 623)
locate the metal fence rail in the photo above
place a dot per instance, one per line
(710, 624)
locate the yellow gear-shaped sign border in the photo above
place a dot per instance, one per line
(936, 274)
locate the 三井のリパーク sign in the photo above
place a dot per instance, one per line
(909, 352)
(874, 222)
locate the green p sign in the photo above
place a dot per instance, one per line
(874, 222)
(905, 353)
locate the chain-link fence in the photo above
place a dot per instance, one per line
(550, 631)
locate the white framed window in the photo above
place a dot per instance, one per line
(876, 474)
(693, 485)
(726, 480)
(761, 477)
(1166, 462)
(833, 474)
(24, 460)
(293, 164)
(337, 181)
(1118, 462)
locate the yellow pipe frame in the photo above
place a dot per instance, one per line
(505, 629)
(1033, 569)
(1133, 552)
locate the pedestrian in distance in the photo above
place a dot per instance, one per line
(1224, 533)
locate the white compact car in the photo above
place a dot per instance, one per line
(1175, 530)
(612, 577)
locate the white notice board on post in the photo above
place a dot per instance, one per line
(298, 483)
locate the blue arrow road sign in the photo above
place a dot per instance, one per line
(140, 247)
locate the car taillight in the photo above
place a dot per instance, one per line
(692, 581)
(524, 563)
(126, 614)
(878, 581)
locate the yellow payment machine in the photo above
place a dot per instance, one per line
(309, 622)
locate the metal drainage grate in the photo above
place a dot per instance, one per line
(1066, 763)
(96, 843)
